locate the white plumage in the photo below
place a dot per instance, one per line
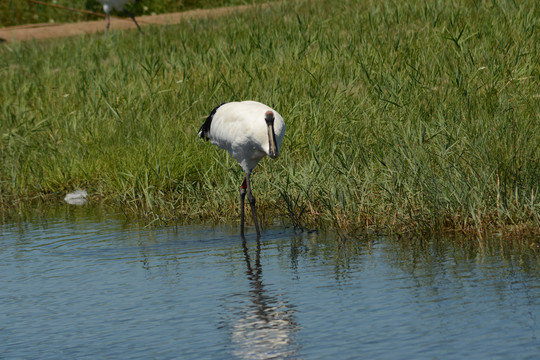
(78, 197)
(249, 131)
(118, 5)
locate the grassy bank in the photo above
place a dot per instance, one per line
(404, 116)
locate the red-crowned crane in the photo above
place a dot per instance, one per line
(118, 5)
(249, 131)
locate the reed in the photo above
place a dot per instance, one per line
(415, 116)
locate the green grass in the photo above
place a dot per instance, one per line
(414, 116)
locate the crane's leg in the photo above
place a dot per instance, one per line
(135, 21)
(251, 200)
(242, 197)
(108, 24)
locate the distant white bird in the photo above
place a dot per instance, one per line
(118, 5)
(249, 131)
(78, 197)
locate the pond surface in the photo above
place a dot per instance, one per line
(76, 285)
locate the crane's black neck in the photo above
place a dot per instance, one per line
(273, 150)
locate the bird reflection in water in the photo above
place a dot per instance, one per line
(263, 325)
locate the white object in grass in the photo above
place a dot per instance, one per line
(78, 197)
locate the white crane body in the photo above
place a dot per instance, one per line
(240, 128)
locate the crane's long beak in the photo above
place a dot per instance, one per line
(273, 150)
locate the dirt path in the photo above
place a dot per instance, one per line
(48, 31)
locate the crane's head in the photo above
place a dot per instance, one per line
(273, 150)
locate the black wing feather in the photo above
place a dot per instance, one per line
(204, 131)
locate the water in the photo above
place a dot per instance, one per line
(86, 286)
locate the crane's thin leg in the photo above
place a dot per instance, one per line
(242, 197)
(251, 200)
(135, 21)
(108, 24)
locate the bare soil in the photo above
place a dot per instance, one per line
(48, 31)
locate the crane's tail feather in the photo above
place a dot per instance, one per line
(204, 131)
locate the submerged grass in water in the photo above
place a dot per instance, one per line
(415, 116)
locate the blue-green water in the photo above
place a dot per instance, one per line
(79, 286)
